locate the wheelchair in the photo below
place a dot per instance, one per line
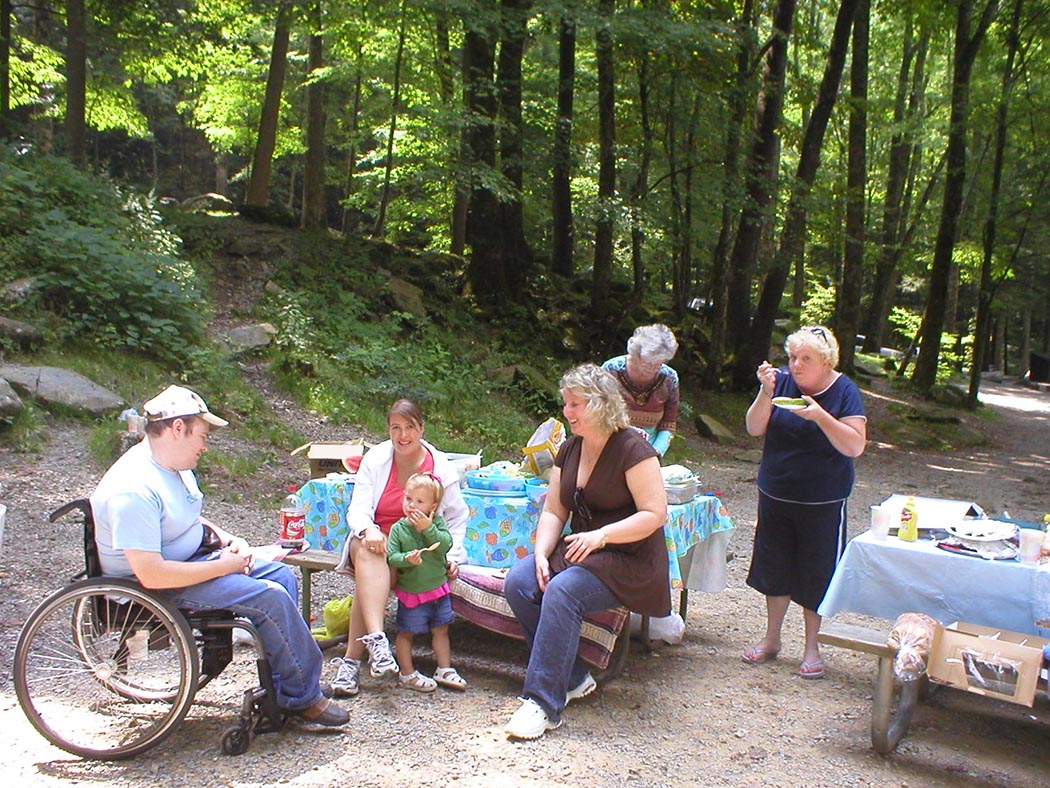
(106, 669)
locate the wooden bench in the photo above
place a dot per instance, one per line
(606, 637)
(893, 702)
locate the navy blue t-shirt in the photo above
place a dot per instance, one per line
(799, 463)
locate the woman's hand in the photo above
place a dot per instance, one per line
(767, 378)
(543, 571)
(584, 543)
(374, 540)
(451, 570)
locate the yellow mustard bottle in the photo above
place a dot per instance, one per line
(909, 527)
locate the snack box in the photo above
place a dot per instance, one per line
(494, 481)
(987, 661)
(332, 456)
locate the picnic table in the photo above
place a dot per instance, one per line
(887, 577)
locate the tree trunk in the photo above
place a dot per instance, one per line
(266, 142)
(761, 176)
(314, 212)
(793, 239)
(965, 52)
(444, 65)
(894, 215)
(847, 320)
(485, 270)
(355, 130)
(640, 187)
(603, 231)
(395, 104)
(738, 103)
(516, 255)
(76, 83)
(563, 241)
(5, 69)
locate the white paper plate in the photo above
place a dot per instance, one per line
(787, 405)
(982, 530)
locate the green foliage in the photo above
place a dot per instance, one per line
(106, 266)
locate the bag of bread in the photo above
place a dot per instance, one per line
(912, 636)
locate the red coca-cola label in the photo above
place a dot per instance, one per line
(292, 524)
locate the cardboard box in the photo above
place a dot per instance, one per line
(332, 456)
(987, 661)
(934, 512)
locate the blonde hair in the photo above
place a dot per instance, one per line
(655, 343)
(817, 338)
(602, 393)
(430, 482)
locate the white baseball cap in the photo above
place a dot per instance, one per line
(179, 401)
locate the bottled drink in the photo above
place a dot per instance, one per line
(292, 517)
(909, 527)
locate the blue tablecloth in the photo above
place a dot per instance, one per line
(887, 577)
(502, 530)
(325, 502)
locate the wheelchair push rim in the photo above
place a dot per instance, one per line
(105, 670)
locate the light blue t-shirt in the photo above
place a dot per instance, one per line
(139, 505)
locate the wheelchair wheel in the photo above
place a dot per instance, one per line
(104, 670)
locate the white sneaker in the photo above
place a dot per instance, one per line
(381, 661)
(581, 690)
(346, 682)
(530, 721)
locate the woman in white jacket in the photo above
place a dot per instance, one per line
(375, 506)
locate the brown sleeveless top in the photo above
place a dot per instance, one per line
(636, 572)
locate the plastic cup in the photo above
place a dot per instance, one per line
(1031, 545)
(880, 521)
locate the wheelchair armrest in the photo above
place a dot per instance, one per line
(81, 504)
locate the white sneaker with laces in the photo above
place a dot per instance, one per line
(530, 721)
(581, 690)
(346, 681)
(381, 661)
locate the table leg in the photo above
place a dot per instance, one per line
(306, 592)
(888, 726)
(683, 602)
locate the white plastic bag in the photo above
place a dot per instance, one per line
(670, 629)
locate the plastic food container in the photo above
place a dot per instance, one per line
(681, 492)
(536, 489)
(495, 482)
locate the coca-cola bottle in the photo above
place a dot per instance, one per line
(292, 518)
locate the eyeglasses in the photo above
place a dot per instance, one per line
(580, 506)
(820, 332)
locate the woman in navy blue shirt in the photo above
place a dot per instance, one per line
(804, 479)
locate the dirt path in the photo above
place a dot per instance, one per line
(691, 714)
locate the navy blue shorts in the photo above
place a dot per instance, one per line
(423, 618)
(797, 546)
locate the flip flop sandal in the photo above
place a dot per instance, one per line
(449, 677)
(753, 655)
(811, 670)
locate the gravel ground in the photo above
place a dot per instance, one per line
(691, 714)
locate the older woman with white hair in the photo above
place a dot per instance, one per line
(804, 479)
(648, 385)
(607, 476)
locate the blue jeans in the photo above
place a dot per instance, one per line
(267, 598)
(552, 621)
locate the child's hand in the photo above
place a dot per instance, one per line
(415, 557)
(420, 520)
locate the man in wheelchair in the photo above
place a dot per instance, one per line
(148, 525)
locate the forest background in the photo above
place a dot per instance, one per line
(563, 171)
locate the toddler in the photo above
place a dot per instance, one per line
(416, 547)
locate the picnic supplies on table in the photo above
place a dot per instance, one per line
(912, 636)
(543, 447)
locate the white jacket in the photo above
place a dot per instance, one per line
(368, 487)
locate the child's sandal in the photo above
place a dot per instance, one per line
(418, 682)
(449, 677)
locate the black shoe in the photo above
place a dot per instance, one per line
(332, 716)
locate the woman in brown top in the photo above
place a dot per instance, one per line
(607, 477)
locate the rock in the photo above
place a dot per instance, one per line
(253, 337)
(10, 403)
(21, 333)
(19, 290)
(54, 386)
(407, 297)
(712, 429)
(209, 202)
